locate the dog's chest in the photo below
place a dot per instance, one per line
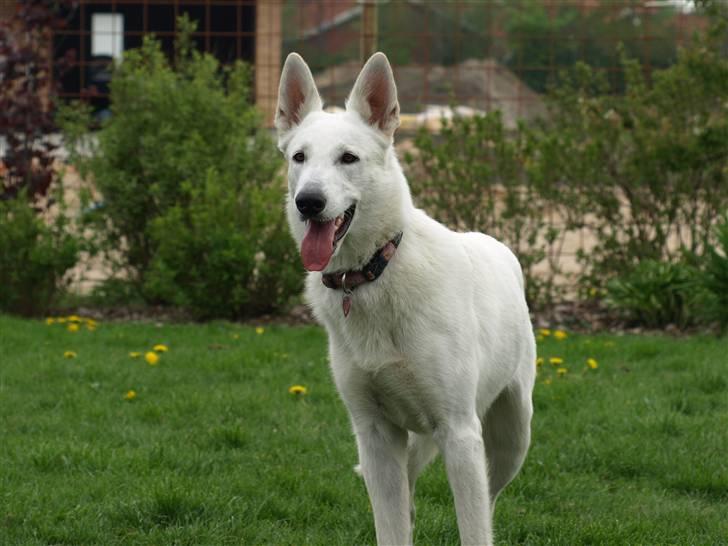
(400, 395)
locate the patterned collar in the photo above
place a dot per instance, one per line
(349, 280)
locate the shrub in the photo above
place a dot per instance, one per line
(26, 107)
(37, 244)
(226, 253)
(657, 294)
(34, 256)
(190, 184)
(647, 168)
(716, 276)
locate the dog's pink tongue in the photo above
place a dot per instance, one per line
(318, 245)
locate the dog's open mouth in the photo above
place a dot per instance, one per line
(320, 240)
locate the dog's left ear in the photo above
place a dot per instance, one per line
(374, 96)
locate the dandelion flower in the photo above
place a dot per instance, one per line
(235, 336)
(135, 354)
(70, 354)
(130, 395)
(61, 320)
(556, 360)
(90, 327)
(562, 371)
(259, 330)
(560, 335)
(50, 320)
(547, 381)
(72, 327)
(539, 361)
(297, 389)
(152, 358)
(160, 348)
(74, 318)
(539, 338)
(592, 363)
(545, 332)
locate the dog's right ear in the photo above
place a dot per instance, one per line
(297, 94)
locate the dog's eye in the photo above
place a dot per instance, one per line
(348, 158)
(299, 157)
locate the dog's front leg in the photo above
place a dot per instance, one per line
(383, 459)
(461, 445)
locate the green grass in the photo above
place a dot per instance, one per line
(214, 450)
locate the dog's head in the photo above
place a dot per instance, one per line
(337, 162)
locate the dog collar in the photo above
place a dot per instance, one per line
(350, 280)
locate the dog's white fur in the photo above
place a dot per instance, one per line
(438, 353)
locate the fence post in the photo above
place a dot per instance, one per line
(368, 33)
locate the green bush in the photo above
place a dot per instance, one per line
(716, 276)
(657, 294)
(190, 184)
(226, 253)
(646, 168)
(34, 256)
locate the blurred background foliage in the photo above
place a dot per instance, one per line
(595, 145)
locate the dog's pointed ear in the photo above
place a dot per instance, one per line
(297, 94)
(374, 96)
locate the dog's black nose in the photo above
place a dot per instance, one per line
(310, 203)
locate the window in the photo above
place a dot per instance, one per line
(107, 35)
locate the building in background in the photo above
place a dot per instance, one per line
(100, 31)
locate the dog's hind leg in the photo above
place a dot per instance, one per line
(507, 434)
(421, 449)
(461, 443)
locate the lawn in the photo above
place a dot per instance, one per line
(214, 450)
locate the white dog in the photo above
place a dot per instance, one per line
(430, 340)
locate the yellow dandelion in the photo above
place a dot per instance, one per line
(160, 348)
(235, 336)
(74, 318)
(562, 371)
(152, 358)
(560, 335)
(547, 381)
(545, 332)
(50, 320)
(70, 354)
(539, 361)
(539, 338)
(556, 360)
(135, 354)
(130, 395)
(297, 389)
(90, 327)
(592, 363)
(259, 330)
(61, 320)
(72, 327)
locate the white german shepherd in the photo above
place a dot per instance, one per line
(430, 340)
